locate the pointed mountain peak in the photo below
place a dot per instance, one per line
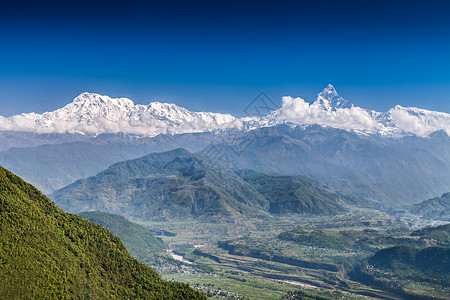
(330, 100)
(329, 90)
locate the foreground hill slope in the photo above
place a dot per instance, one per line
(48, 254)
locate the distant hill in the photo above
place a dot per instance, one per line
(166, 186)
(288, 194)
(50, 167)
(406, 258)
(178, 184)
(440, 234)
(434, 209)
(141, 243)
(392, 172)
(370, 240)
(48, 254)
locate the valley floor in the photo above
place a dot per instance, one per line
(222, 274)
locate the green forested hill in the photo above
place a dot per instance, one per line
(141, 243)
(407, 259)
(48, 254)
(440, 234)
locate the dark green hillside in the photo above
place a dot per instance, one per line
(141, 243)
(367, 239)
(319, 237)
(288, 194)
(48, 254)
(410, 259)
(441, 234)
(166, 186)
(410, 272)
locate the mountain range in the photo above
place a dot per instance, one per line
(92, 114)
(395, 158)
(390, 171)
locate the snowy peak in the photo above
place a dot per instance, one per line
(89, 99)
(420, 122)
(330, 100)
(94, 114)
(331, 110)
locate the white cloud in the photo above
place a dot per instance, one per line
(419, 121)
(298, 111)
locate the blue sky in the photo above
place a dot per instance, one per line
(218, 55)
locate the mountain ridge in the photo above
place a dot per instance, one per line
(178, 184)
(94, 114)
(164, 186)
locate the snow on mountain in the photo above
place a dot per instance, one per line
(417, 121)
(329, 100)
(94, 114)
(331, 110)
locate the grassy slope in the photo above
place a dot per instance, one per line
(48, 254)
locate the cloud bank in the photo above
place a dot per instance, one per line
(298, 111)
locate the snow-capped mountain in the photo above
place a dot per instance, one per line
(331, 110)
(419, 122)
(93, 114)
(329, 100)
